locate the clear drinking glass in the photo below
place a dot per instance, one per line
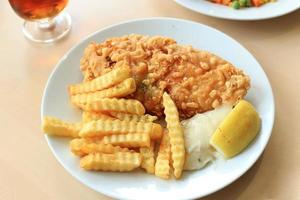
(44, 19)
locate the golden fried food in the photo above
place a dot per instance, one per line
(84, 146)
(196, 80)
(126, 77)
(57, 127)
(90, 116)
(120, 161)
(133, 118)
(130, 106)
(102, 82)
(102, 128)
(175, 131)
(123, 89)
(163, 164)
(148, 160)
(130, 140)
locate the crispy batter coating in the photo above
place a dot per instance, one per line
(196, 80)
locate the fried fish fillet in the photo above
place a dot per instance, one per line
(196, 80)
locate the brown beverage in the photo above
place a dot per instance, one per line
(37, 9)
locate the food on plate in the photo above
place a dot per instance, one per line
(106, 81)
(132, 117)
(237, 4)
(123, 89)
(133, 84)
(84, 146)
(54, 126)
(128, 140)
(130, 106)
(196, 80)
(237, 130)
(120, 161)
(163, 160)
(197, 133)
(102, 128)
(148, 158)
(175, 131)
(91, 116)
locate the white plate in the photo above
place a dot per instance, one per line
(139, 185)
(267, 11)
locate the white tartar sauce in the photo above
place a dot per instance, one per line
(197, 133)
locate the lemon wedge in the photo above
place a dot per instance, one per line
(237, 130)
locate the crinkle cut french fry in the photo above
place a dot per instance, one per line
(90, 116)
(102, 82)
(134, 118)
(130, 106)
(120, 161)
(175, 133)
(128, 140)
(84, 146)
(54, 126)
(102, 128)
(148, 160)
(123, 89)
(162, 165)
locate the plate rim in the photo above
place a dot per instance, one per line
(86, 38)
(179, 2)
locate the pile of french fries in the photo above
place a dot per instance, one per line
(115, 134)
